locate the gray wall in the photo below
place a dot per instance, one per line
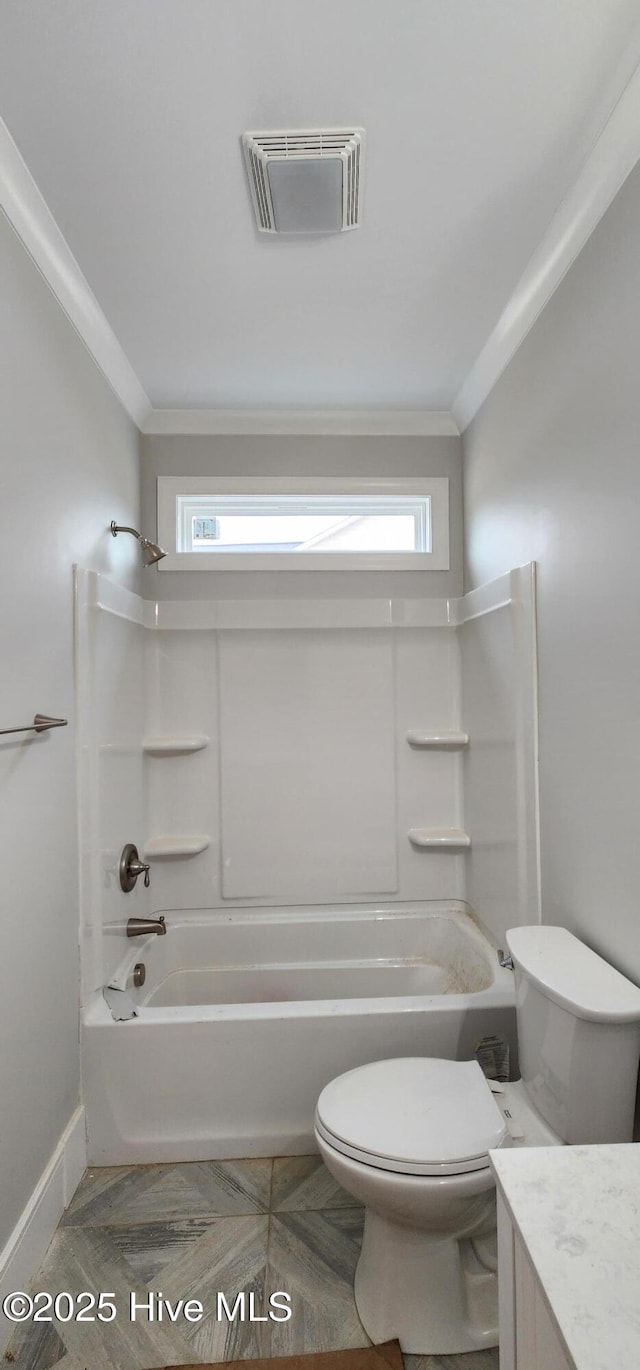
(552, 473)
(68, 465)
(303, 456)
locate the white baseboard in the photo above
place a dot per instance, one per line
(27, 1245)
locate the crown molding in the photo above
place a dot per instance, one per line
(322, 422)
(612, 159)
(34, 224)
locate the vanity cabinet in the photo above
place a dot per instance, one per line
(529, 1338)
(569, 1257)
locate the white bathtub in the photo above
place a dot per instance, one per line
(246, 1014)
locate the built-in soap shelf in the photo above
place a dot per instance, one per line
(185, 845)
(439, 839)
(175, 746)
(446, 740)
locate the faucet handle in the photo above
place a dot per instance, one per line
(131, 867)
(137, 867)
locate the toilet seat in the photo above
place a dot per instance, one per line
(413, 1116)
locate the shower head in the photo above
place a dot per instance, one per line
(150, 550)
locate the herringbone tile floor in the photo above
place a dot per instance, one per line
(192, 1231)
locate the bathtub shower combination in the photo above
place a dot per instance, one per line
(336, 860)
(244, 1017)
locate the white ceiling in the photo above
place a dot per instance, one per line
(479, 115)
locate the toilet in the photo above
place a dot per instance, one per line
(410, 1138)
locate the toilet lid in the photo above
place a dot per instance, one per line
(417, 1116)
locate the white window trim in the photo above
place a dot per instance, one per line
(435, 487)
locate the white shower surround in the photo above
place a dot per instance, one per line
(201, 1080)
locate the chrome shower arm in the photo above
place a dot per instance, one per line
(122, 528)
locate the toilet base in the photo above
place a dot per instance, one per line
(434, 1293)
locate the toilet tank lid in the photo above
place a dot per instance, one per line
(572, 975)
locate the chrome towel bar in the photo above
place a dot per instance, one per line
(41, 724)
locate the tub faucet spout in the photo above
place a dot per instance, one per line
(141, 927)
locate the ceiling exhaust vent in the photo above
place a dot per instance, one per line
(306, 180)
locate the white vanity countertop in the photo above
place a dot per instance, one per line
(577, 1209)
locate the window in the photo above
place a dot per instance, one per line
(285, 524)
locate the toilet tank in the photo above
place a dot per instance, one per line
(578, 1025)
